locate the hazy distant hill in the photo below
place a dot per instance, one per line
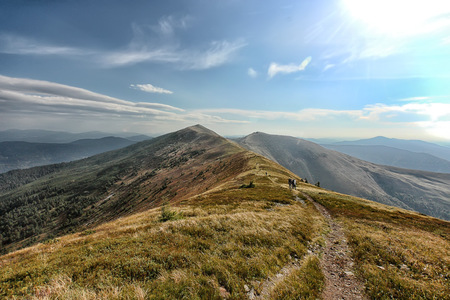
(22, 155)
(409, 145)
(422, 191)
(48, 136)
(390, 156)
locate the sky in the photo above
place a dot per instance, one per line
(311, 69)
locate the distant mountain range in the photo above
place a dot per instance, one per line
(22, 155)
(421, 191)
(409, 145)
(395, 157)
(48, 136)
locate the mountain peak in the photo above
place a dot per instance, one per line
(201, 129)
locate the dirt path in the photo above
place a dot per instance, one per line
(336, 263)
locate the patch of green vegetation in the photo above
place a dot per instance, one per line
(169, 215)
(247, 186)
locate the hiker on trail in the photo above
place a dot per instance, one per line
(294, 184)
(290, 183)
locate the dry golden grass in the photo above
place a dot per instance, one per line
(294, 287)
(227, 238)
(399, 254)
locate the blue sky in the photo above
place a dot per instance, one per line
(314, 69)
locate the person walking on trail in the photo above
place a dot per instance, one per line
(294, 184)
(290, 183)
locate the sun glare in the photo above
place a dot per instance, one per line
(400, 17)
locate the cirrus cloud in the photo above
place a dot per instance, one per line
(149, 88)
(275, 68)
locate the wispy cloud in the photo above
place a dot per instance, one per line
(378, 113)
(304, 115)
(38, 102)
(17, 94)
(431, 111)
(13, 44)
(168, 24)
(149, 88)
(216, 54)
(252, 73)
(161, 44)
(275, 68)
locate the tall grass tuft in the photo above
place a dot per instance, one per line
(306, 282)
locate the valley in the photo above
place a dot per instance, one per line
(22, 155)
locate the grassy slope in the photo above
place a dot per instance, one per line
(399, 254)
(219, 241)
(72, 197)
(223, 238)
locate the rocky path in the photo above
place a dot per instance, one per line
(336, 262)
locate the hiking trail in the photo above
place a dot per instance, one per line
(336, 262)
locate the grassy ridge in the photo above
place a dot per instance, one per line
(74, 196)
(228, 239)
(399, 254)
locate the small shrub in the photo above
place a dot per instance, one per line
(247, 186)
(169, 215)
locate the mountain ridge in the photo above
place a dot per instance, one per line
(113, 184)
(422, 191)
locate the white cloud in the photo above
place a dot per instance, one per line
(304, 115)
(275, 68)
(415, 99)
(13, 44)
(19, 94)
(433, 117)
(149, 44)
(168, 24)
(158, 106)
(329, 66)
(218, 53)
(252, 73)
(149, 88)
(42, 104)
(159, 44)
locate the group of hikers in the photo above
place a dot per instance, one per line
(292, 184)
